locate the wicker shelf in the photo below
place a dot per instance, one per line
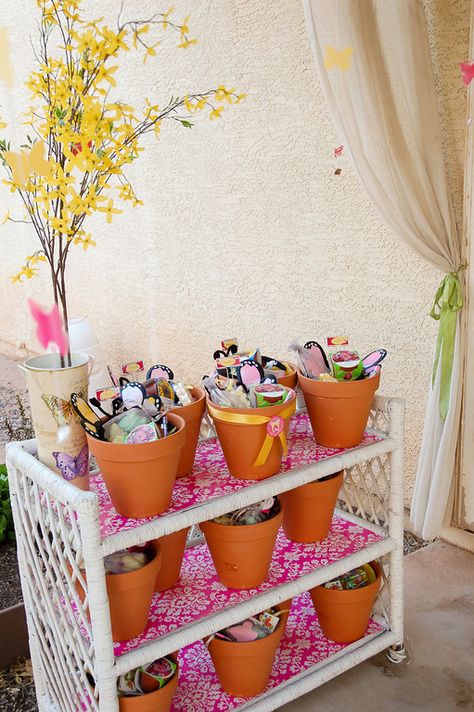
(82, 527)
(211, 490)
(302, 650)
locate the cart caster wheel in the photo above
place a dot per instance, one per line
(397, 654)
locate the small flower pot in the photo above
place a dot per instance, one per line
(253, 439)
(338, 411)
(244, 669)
(192, 415)
(344, 615)
(290, 379)
(308, 510)
(242, 554)
(140, 477)
(130, 597)
(156, 701)
(172, 551)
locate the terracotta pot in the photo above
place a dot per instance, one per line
(290, 380)
(192, 415)
(50, 387)
(130, 597)
(242, 442)
(338, 411)
(308, 510)
(242, 554)
(140, 477)
(244, 669)
(156, 701)
(344, 615)
(172, 551)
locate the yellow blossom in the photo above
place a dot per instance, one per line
(150, 52)
(6, 217)
(109, 211)
(187, 43)
(166, 15)
(216, 113)
(223, 94)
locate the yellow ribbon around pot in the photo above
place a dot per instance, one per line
(275, 426)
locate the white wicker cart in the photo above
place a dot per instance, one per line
(60, 529)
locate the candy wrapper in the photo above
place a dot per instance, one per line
(147, 678)
(126, 560)
(356, 578)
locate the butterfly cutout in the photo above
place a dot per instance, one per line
(251, 372)
(160, 371)
(318, 357)
(49, 327)
(88, 418)
(340, 58)
(6, 69)
(61, 410)
(225, 353)
(467, 70)
(24, 163)
(338, 151)
(71, 467)
(269, 362)
(373, 359)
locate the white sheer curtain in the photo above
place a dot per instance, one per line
(383, 98)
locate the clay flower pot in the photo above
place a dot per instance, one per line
(242, 554)
(130, 597)
(308, 510)
(156, 701)
(172, 551)
(192, 415)
(140, 477)
(344, 615)
(253, 439)
(244, 669)
(338, 411)
(289, 380)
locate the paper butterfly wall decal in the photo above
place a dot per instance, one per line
(467, 70)
(49, 327)
(340, 58)
(24, 163)
(71, 467)
(338, 151)
(6, 69)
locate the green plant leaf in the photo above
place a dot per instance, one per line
(186, 124)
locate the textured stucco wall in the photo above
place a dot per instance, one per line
(246, 230)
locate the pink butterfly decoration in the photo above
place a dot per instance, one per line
(49, 327)
(467, 69)
(71, 467)
(338, 151)
(250, 373)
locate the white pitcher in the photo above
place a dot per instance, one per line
(60, 439)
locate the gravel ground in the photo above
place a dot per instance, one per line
(17, 690)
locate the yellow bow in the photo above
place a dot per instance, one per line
(229, 417)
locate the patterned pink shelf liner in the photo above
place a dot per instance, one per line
(210, 477)
(302, 647)
(199, 593)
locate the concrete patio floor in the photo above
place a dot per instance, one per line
(439, 624)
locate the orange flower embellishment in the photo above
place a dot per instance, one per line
(275, 426)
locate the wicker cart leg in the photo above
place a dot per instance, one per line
(397, 654)
(395, 520)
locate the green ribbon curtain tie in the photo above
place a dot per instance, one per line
(447, 302)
